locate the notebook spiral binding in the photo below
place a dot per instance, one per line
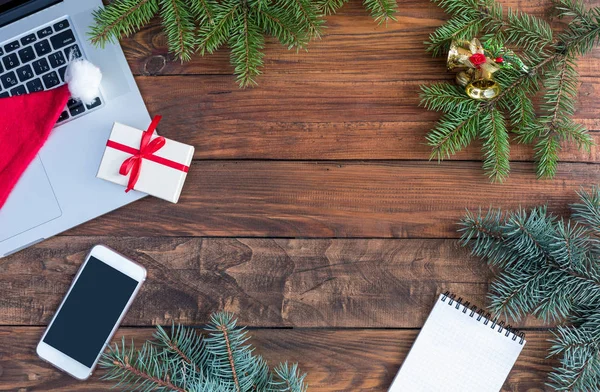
(482, 314)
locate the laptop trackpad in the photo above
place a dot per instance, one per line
(30, 204)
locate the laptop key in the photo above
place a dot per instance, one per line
(61, 72)
(19, 90)
(25, 73)
(35, 85)
(12, 46)
(77, 109)
(57, 59)
(1, 51)
(4, 95)
(72, 102)
(9, 80)
(28, 39)
(63, 116)
(42, 48)
(51, 79)
(73, 50)
(11, 61)
(26, 54)
(40, 66)
(63, 24)
(46, 31)
(95, 103)
(62, 39)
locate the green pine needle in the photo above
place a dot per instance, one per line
(121, 19)
(549, 64)
(179, 28)
(220, 360)
(548, 267)
(204, 26)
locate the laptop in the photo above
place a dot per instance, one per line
(59, 190)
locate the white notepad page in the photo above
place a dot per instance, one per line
(455, 352)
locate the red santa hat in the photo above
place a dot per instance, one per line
(27, 120)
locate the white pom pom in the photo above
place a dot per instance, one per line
(84, 79)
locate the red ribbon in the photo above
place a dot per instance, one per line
(147, 149)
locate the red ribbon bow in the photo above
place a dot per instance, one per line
(133, 164)
(147, 149)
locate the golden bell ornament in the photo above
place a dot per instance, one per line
(483, 89)
(463, 78)
(458, 53)
(474, 69)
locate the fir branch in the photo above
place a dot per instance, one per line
(119, 19)
(381, 10)
(550, 65)
(204, 11)
(224, 330)
(246, 45)
(453, 133)
(184, 361)
(330, 7)
(179, 28)
(496, 146)
(549, 268)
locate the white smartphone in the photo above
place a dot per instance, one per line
(91, 312)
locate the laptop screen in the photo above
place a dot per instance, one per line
(12, 10)
(5, 5)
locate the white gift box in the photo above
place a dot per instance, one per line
(162, 174)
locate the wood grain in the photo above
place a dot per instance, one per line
(337, 199)
(352, 46)
(335, 360)
(324, 118)
(266, 282)
(353, 95)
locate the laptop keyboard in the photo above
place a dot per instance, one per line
(37, 61)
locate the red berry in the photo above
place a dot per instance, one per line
(499, 60)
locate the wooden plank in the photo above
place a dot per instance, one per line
(355, 93)
(352, 46)
(356, 360)
(337, 199)
(325, 118)
(266, 282)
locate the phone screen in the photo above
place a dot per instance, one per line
(90, 312)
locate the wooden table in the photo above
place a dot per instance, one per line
(311, 209)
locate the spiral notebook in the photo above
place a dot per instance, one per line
(459, 349)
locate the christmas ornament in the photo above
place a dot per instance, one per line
(475, 69)
(532, 97)
(27, 120)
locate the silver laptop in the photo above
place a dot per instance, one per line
(60, 189)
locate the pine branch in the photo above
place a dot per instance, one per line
(119, 19)
(290, 378)
(246, 45)
(381, 10)
(204, 11)
(303, 10)
(184, 361)
(330, 7)
(548, 267)
(212, 36)
(179, 28)
(496, 147)
(549, 64)
(453, 133)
